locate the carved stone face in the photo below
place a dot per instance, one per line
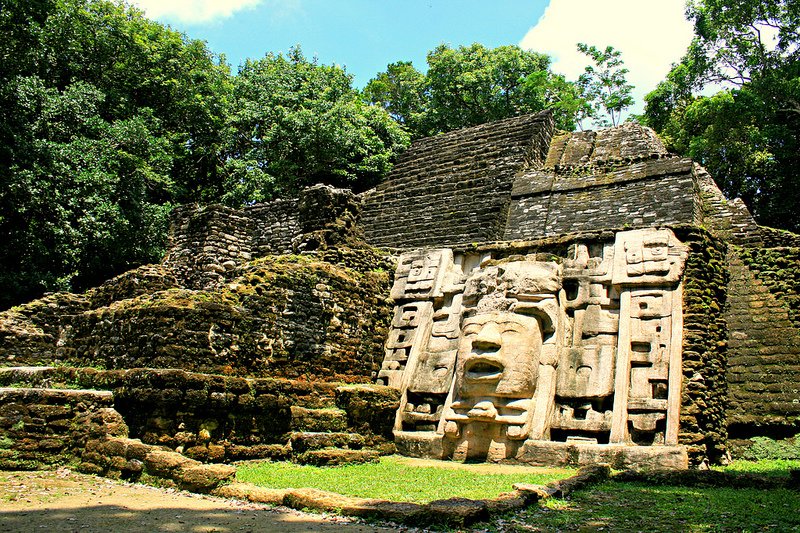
(499, 356)
(434, 372)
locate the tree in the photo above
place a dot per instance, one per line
(106, 120)
(604, 85)
(471, 85)
(746, 134)
(295, 123)
(402, 90)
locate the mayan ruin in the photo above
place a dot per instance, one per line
(508, 294)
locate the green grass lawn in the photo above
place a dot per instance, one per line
(394, 478)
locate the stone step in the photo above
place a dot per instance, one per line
(336, 457)
(304, 441)
(325, 420)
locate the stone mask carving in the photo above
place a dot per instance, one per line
(502, 347)
(499, 355)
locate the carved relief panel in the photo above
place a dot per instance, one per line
(583, 348)
(584, 394)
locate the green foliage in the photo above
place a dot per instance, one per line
(747, 134)
(294, 123)
(402, 90)
(106, 120)
(393, 479)
(604, 85)
(471, 85)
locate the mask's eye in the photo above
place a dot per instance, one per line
(472, 329)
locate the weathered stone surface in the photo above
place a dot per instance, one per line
(423, 444)
(129, 459)
(336, 457)
(764, 340)
(315, 420)
(163, 463)
(221, 418)
(370, 408)
(204, 478)
(618, 456)
(250, 492)
(291, 317)
(459, 511)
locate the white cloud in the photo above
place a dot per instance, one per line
(193, 11)
(651, 34)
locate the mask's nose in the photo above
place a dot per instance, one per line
(488, 337)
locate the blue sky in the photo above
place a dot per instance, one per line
(366, 35)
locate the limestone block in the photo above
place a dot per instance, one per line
(337, 457)
(538, 453)
(163, 463)
(204, 478)
(420, 274)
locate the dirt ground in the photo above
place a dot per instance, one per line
(64, 501)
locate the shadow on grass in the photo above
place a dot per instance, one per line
(638, 506)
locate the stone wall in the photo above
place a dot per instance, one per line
(207, 244)
(30, 332)
(729, 220)
(44, 428)
(509, 180)
(206, 417)
(763, 316)
(41, 427)
(778, 238)
(764, 361)
(276, 224)
(704, 402)
(645, 194)
(455, 187)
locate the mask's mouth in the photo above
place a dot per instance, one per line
(483, 369)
